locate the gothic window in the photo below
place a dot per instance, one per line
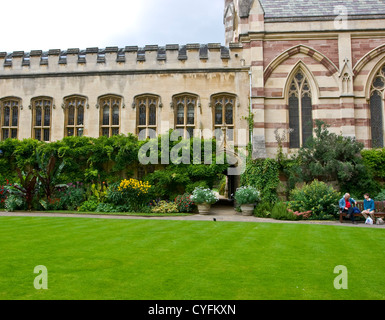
(223, 113)
(377, 109)
(9, 118)
(110, 115)
(41, 118)
(74, 114)
(147, 109)
(300, 111)
(184, 108)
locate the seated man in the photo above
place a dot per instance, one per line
(369, 207)
(346, 205)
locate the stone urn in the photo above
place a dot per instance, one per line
(204, 208)
(247, 209)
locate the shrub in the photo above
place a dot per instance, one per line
(184, 203)
(263, 209)
(317, 197)
(14, 202)
(246, 195)
(374, 159)
(70, 197)
(380, 196)
(165, 207)
(280, 212)
(134, 193)
(201, 195)
(4, 193)
(88, 206)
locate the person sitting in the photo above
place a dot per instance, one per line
(369, 207)
(346, 205)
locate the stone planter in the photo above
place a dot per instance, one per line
(204, 208)
(247, 209)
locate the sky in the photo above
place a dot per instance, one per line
(47, 24)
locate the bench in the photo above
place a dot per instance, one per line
(379, 212)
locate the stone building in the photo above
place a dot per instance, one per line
(292, 61)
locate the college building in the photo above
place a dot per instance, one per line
(291, 62)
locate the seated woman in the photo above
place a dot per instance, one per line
(369, 207)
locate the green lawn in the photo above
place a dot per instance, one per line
(159, 260)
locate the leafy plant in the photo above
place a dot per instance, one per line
(201, 195)
(380, 196)
(4, 193)
(165, 207)
(27, 187)
(263, 209)
(14, 202)
(48, 174)
(184, 203)
(317, 197)
(280, 212)
(247, 195)
(70, 197)
(88, 206)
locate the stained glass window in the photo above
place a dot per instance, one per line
(300, 111)
(377, 109)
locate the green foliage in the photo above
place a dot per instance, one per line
(70, 197)
(330, 157)
(246, 195)
(14, 202)
(280, 212)
(318, 197)
(184, 203)
(263, 174)
(88, 206)
(374, 159)
(380, 196)
(165, 207)
(263, 209)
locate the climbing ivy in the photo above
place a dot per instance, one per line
(264, 175)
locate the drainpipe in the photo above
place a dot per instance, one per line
(251, 109)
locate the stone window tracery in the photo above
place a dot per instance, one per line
(300, 111)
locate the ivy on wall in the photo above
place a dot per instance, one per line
(264, 175)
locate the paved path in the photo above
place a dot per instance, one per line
(220, 213)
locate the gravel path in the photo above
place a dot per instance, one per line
(219, 214)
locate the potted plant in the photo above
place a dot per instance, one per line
(203, 198)
(246, 197)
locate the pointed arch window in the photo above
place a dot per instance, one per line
(223, 113)
(42, 118)
(74, 116)
(300, 111)
(9, 117)
(185, 106)
(110, 115)
(147, 115)
(377, 109)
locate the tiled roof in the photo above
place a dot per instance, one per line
(300, 9)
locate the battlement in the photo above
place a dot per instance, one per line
(150, 57)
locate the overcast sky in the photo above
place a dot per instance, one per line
(45, 24)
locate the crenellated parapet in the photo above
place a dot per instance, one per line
(131, 58)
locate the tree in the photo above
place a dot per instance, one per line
(331, 157)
